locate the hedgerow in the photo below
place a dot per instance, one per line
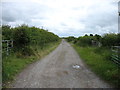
(25, 36)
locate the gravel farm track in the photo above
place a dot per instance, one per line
(56, 71)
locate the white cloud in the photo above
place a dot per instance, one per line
(63, 17)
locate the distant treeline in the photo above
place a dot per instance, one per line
(24, 36)
(106, 40)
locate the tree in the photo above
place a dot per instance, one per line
(86, 35)
(20, 37)
(110, 40)
(85, 41)
(70, 38)
(98, 37)
(91, 34)
(6, 32)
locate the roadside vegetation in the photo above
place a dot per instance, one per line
(29, 45)
(95, 51)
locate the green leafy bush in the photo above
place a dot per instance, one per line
(20, 37)
(7, 32)
(110, 40)
(25, 36)
(70, 38)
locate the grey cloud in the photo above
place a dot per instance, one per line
(98, 19)
(63, 24)
(8, 18)
(13, 12)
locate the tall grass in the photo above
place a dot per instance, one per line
(98, 59)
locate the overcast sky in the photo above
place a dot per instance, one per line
(63, 17)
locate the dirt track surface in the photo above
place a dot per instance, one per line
(56, 71)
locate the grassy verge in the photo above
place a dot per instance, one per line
(15, 63)
(98, 59)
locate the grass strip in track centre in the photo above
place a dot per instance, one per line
(97, 61)
(13, 65)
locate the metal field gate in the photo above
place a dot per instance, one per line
(116, 54)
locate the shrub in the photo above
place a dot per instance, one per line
(20, 37)
(6, 32)
(70, 38)
(25, 36)
(110, 40)
(27, 51)
(85, 41)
